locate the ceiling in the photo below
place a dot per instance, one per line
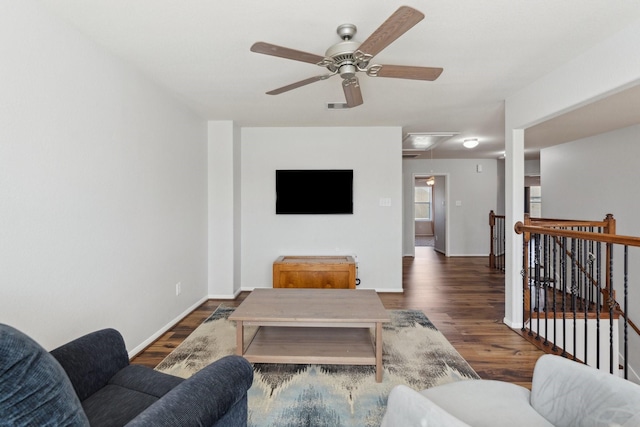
(199, 51)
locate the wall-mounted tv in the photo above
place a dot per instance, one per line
(313, 191)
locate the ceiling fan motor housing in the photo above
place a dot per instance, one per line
(343, 60)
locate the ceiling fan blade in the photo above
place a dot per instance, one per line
(406, 72)
(298, 84)
(285, 52)
(352, 92)
(396, 25)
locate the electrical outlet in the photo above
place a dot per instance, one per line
(178, 288)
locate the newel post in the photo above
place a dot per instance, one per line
(608, 292)
(526, 292)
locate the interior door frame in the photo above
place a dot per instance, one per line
(446, 210)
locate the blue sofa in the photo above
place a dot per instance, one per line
(89, 382)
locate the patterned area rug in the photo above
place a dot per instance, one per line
(415, 353)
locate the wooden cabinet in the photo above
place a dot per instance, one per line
(336, 272)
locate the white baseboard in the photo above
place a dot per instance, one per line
(226, 296)
(512, 324)
(251, 288)
(377, 290)
(468, 255)
(138, 349)
(632, 375)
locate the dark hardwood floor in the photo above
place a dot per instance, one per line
(461, 296)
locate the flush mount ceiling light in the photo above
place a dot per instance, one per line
(470, 143)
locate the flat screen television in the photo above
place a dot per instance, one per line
(313, 191)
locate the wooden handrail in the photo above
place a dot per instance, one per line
(567, 223)
(617, 239)
(492, 246)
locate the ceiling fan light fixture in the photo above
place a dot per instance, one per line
(348, 71)
(470, 143)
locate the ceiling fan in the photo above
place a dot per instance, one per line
(349, 57)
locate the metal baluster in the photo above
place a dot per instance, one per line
(574, 295)
(586, 300)
(610, 302)
(626, 311)
(544, 287)
(564, 297)
(598, 298)
(500, 241)
(526, 262)
(554, 293)
(537, 284)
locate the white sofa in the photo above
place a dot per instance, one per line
(563, 393)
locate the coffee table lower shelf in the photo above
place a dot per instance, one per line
(311, 345)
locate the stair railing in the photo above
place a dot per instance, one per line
(497, 245)
(569, 289)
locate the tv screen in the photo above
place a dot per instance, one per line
(328, 191)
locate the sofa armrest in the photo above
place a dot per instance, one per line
(91, 360)
(203, 398)
(571, 393)
(407, 407)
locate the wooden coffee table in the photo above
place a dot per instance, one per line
(319, 326)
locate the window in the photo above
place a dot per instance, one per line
(422, 199)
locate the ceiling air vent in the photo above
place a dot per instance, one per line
(409, 155)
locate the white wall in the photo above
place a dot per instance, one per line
(500, 206)
(103, 195)
(532, 167)
(589, 178)
(477, 194)
(223, 211)
(608, 67)
(440, 192)
(373, 232)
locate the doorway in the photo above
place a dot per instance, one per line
(423, 211)
(430, 212)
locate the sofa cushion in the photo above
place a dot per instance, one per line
(34, 389)
(487, 403)
(407, 407)
(130, 391)
(114, 405)
(145, 380)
